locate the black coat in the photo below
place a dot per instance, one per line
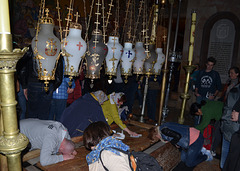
(232, 162)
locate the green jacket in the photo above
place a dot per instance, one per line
(211, 110)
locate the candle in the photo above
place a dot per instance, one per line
(4, 18)
(192, 34)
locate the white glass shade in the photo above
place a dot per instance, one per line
(76, 47)
(48, 48)
(149, 63)
(113, 55)
(160, 60)
(140, 58)
(127, 59)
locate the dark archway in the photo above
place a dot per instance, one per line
(206, 35)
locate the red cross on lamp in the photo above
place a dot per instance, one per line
(75, 48)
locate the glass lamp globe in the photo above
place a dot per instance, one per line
(160, 60)
(95, 55)
(46, 48)
(74, 48)
(113, 55)
(140, 58)
(127, 60)
(149, 63)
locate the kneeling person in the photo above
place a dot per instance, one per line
(188, 139)
(51, 137)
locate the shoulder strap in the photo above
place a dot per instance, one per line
(102, 161)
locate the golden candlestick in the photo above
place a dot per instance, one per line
(189, 68)
(11, 141)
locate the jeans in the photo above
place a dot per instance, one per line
(57, 108)
(193, 155)
(22, 103)
(39, 101)
(225, 150)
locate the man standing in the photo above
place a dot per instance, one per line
(51, 137)
(208, 84)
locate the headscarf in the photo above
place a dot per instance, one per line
(115, 97)
(106, 144)
(100, 96)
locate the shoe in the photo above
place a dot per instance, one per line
(210, 157)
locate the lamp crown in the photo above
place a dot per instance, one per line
(97, 32)
(46, 19)
(75, 25)
(114, 34)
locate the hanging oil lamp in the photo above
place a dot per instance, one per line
(113, 56)
(95, 55)
(140, 58)
(46, 48)
(127, 60)
(74, 48)
(158, 65)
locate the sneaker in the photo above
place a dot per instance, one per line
(213, 153)
(210, 157)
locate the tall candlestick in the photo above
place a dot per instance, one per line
(193, 25)
(4, 17)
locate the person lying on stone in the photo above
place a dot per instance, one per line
(51, 137)
(92, 107)
(188, 139)
(97, 138)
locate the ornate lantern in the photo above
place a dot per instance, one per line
(140, 58)
(74, 48)
(151, 60)
(113, 56)
(158, 65)
(127, 60)
(95, 55)
(46, 48)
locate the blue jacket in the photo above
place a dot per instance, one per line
(183, 130)
(81, 113)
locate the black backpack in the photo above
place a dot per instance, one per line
(138, 161)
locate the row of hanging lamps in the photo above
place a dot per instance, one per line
(46, 48)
